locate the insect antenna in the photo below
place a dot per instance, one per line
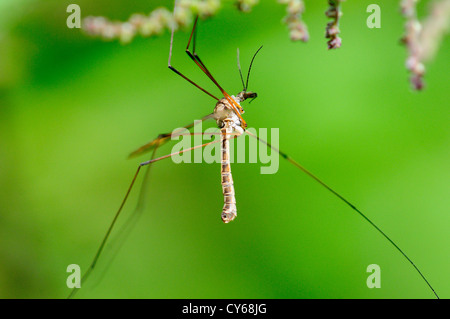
(250, 67)
(240, 71)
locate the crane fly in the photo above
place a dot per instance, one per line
(231, 124)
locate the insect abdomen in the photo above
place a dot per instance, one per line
(229, 207)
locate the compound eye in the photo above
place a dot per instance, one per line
(250, 95)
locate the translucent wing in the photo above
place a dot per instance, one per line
(163, 138)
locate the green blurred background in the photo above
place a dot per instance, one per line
(73, 107)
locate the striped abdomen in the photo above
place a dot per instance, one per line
(229, 207)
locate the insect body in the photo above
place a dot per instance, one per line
(228, 115)
(229, 123)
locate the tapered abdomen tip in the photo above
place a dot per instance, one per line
(228, 216)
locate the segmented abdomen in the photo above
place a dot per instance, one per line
(229, 207)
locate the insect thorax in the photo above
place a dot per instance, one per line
(224, 113)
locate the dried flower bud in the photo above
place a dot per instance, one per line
(127, 32)
(332, 29)
(334, 43)
(246, 5)
(298, 30)
(155, 23)
(417, 82)
(412, 41)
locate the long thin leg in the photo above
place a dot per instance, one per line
(176, 153)
(237, 108)
(108, 233)
(196, 58)
(179, 73)
(298, 165)
(105, 238)
(201, 65)
(126, 228)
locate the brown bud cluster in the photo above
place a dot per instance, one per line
(246, 5)
(155, 23)
(423, 39)
(411, 41)
(297, 28)
(332, 30)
